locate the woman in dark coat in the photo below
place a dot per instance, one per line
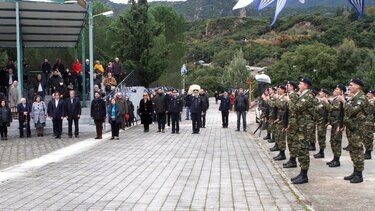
(129, 111)
(98, 113)
(5, 119)
(114, 118)
(145, 111)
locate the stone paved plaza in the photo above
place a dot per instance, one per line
(17, 150)
(219, 169)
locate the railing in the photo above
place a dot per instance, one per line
(118, 87)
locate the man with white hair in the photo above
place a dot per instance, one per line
(24, 110)
(117, 70)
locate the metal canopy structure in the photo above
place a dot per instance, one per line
(41, 24)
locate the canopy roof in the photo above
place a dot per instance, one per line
(42, 24)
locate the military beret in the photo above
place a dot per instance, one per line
(357, 81)
(274, 88)
(293, 83)
(282, 87)
(325, 91)
(342, 87)
(372, 92)
(306, 81)
(315, 91)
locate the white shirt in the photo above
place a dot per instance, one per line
(57, 103)
(40, 89)
(10, 82)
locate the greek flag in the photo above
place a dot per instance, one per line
(264, 3)
(279, 7)
(242, 3)
(359, 5)
(184, 70)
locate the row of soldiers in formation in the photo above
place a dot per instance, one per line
(295, 113)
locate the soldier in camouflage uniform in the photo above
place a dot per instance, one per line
(369, 126)
(304, 108)
(292, 126)
(272, 117)
(336, 116)
(355, 112)
(280, 136)
(265, 108)
(316, 116)
(322, 123)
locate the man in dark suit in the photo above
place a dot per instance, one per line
(175, 110)
(73, 113)
(57, 109)
(24, 110)
(196, 109)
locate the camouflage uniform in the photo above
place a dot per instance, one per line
(304, 109)
(322, 120)
(293, 126)
(334, 120)
(369, 127)
(279, 123)
(272, 115)
(354, 120)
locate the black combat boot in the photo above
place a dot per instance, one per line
(367, 155)
(312, 147)
(291, 163)
(347, 148)
(357, 178)
(335, 162)
(280, 156)
(350, 177)
(274, 148)
(302, 179)
(320, 154)
(290, 160)
(268, 136)
(296, 177)
(272, 139)
(330, 162)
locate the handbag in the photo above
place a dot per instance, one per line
(40, 125)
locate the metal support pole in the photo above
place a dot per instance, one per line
(19, 52)
(84, 91)
(183, 84)
(91, 51)
(75, 54)
(250, 93)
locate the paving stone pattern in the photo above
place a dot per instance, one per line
(17, 150)
(219, 169)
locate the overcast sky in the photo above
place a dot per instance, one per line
(126, 1)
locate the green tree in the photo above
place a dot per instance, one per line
(207, 77)
(236, 74)
(316, 61)
(173, 28)
(140, 42)
(3, 58)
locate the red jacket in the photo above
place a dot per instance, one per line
(77, 67)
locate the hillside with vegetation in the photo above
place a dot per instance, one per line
(204, 9)
(330, 49)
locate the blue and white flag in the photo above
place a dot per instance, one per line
(184, 70)
(359, 5)
(264, 3)
(279, 7)
(242, 3)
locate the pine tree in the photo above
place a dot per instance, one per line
(140, 43)
(236, 74)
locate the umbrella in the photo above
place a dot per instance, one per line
(193, 87)
(263, 78)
